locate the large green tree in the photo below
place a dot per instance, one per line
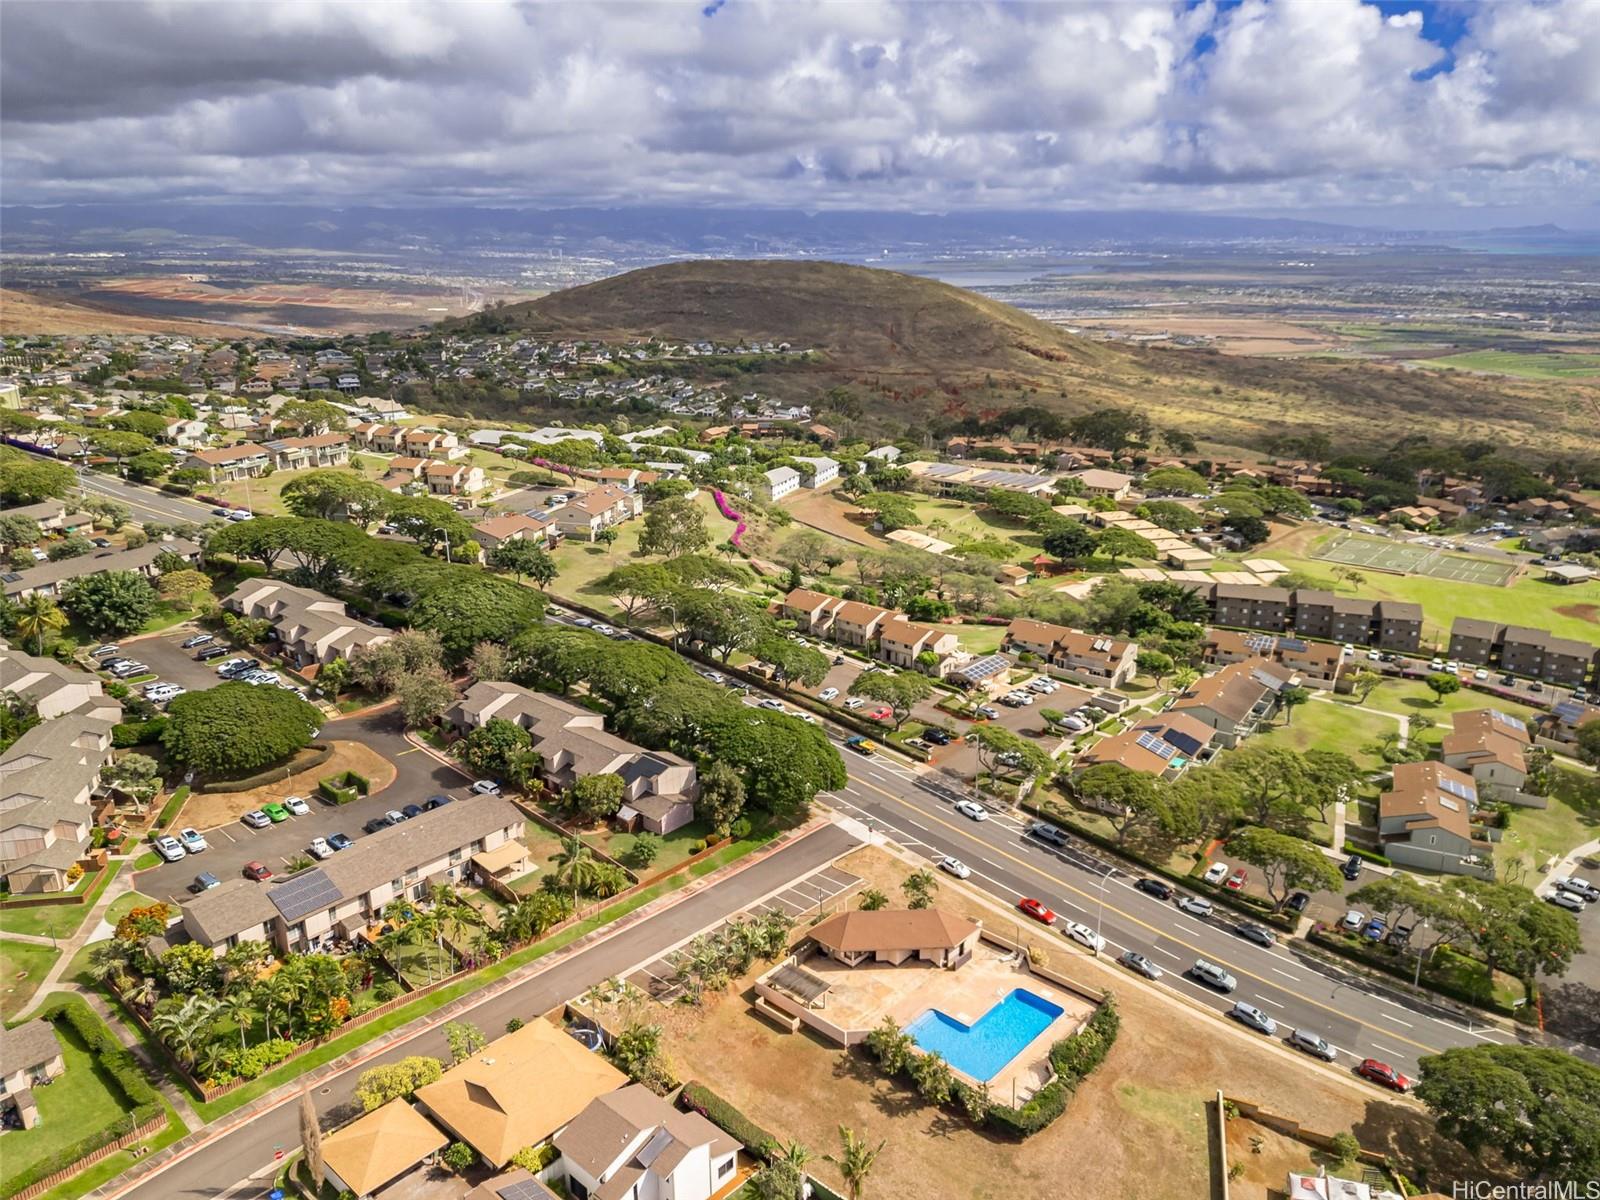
(1286, 862)
(1537, 1107)
(28, 479)
(1129, 799)
(477, 607)
(335, 494)
(111, 602)
(234, 729)
(902, 691)
(784, 761)
(674, 527)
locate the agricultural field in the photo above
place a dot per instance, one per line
(1523, 365)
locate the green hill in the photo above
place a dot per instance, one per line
(917, 348)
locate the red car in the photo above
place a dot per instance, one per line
(260, 872)
(1236, 880)
(1382, 1073)
(1036, 910)
(881, 713)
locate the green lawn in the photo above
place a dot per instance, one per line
(82, 1100)
(675, 847)
(1529, 601)
(58, 920)
(957, 521)
(1520, 364)
(1410, 697)
(980, 639)
(23, 967)
(424, 964)
(1331, 725)
(1538, 835)
(110, 1167)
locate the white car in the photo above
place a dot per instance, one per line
(605, 629)
(256, 819)
(828, 693)
(804, 716)
(1354, 919)
(955, 866)
(1561, 899)
(1076, 724)
(297, 806)
(1216, 872)
(773, 705)
(713, 676)
(486, 787)
(229, 664)
(170, 850)
(1480, 674)
(193, 840)
(854, 703)
(1084, 936)
(972, 809)
(320, 849)
(1436, 665)
(240, 515)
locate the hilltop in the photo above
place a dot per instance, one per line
(921, 348)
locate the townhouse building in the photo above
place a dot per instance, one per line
(1085, 657)
(49, 788)
(453, 478)
(1234, 701)
(312, 629)
(659, 788)
(1424, 821)
(309, 453)
(514, 527)
(812, 612)
(344, 894)
(601, 508)
(632, 1143)
(48, 578)
(1489, 745)
(822, 472)
(902, 643)
(1113, 485)
(1164, 745)
(184, 432)
(858, 624)
(54, 516)
(778, 483)
(223, 464)
(1318, 664)
(30, 1056)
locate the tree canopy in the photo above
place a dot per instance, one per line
(111, 602)
(234, 728)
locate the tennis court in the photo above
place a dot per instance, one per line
(1409, 558)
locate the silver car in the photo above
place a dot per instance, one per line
(1313, 1044)
(1135, 961)
(1251, 1016)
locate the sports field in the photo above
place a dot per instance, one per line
(1409, 558)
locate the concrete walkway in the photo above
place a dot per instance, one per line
(1568, 864)
(120, 886)
(154, 1069)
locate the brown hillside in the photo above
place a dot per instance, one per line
(26, 313)
(925, 348)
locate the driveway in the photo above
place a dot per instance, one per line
(419, 775)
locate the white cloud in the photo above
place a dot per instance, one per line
(800, 103)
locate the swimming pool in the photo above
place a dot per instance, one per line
(982, 1050)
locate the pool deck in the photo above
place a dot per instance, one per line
(860, 997)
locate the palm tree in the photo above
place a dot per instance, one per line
(37, 616)
(213, 1057)
(577, 867)
(239, 1008)
(854, 1160)
(793, 1153)
(183, 1027)
(109, 961)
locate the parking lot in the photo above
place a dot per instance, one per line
(171, 663)
(231, 846)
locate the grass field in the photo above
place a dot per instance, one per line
(1538, 835)
(1413, 559)
(23, 966)
(1332, 725)
(956, 521)
(1411, 698)
(1521, 365)
(57, 920)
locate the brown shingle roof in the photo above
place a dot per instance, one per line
(890, 929)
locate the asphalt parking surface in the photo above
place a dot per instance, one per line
(171, 663)
(418, 776)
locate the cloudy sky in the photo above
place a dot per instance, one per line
(1369, 111)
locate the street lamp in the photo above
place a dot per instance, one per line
(1100, 915)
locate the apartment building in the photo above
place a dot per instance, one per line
(1532, 653)
(659, 787)
(902, 643)
(1323, 615)
(1245, 607)
(184, 432)
(1113, 485)
(1085, 657)
(778, 483)
(346, 892)
(1318, 664)
(812, 612)
(309, 453)
(858, 624)
(1424, 821)
(604, 507)
(1393, 625)
(1474, 641)
(53, 688)
(223, 464)
(48, 578)
(823, 471)
(313, 629)
(49, 782)
(1489, 745)
(1234, 701)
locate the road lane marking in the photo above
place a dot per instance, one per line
(1264, 1000)
(1168, 953)
(1059, 883)
(1398, 1021)
(1285, 974)
(1386, 1049)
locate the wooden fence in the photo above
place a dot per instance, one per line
(82, 895)
(137, 1134)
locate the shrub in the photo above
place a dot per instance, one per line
(74, 872)
(729, 1119)
(696, 846)
(739, 829)
(344, 787)
(457, 1157)
(1367, 855)
(386, 991)
(534, 1159)
(263, 1055)
(138, 733)
(1073, 1059)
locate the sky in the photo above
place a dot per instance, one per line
(1444, 114)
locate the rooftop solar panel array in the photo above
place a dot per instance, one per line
(1161, 749)
(1456, 788)
(295, 898)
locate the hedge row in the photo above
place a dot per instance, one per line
(173, 806)
(730, 1120)
(111, 1055)
(1260, 909)
(345, 787)
(1074, 1059)
(1367, 855)
(272, 775)
(138, 733)
(1406, 971)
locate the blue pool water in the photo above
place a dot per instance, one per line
(981, 1050)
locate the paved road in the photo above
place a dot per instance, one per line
(1361, 1019)
(236, 1151)
(147, 504)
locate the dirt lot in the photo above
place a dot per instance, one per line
(822, 510)
(1136, 1130)
(206, 810)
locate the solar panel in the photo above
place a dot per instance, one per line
(303, 894)
(1456, 789)
(1294, 644)
(1506, 719)
(1258, 641)
(1150, 742)
(524, 1189)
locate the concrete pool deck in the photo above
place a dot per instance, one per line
(858, 998)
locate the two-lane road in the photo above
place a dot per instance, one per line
(1360, 1018)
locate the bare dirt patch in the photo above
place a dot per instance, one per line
(1581, 612)
(821, 511)
(1231, 335)
(29, 313)
(1136, 1129)
(207, 810)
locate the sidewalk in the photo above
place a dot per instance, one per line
(153, 1068)
(1568, 864)
(120, 886)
